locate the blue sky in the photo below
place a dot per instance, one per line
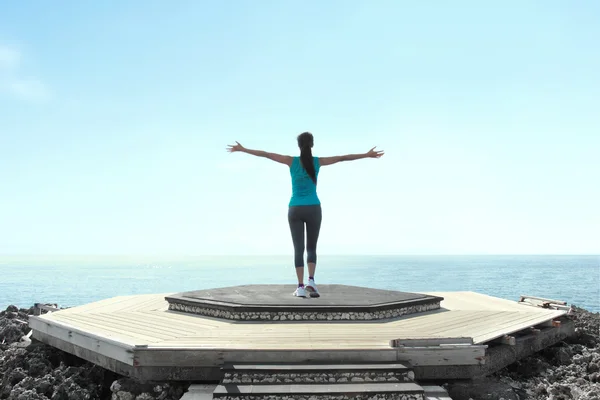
(114, 118)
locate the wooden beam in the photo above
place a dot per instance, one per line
(430, 342)
(553, 323)
(155, 356)
(543, 300)
(507, 340)
(39, 307)
(443, 355)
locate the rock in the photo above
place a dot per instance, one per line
(29, 394)
(595, 377)
(45, 386)
(584, 339)
(486, 388)
(115, 386)
(39, 367)
(11, 333)
(16, 376)
(38, 371)
(569, 370)
(560, 355)
(12, 308)
(145, 396)
(131, 389)
(122, 395)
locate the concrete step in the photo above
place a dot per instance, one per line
(339, 391)
(316, 373)
(434, 392)
(199, 392)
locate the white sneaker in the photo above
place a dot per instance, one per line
(300, 292)
(311, 288)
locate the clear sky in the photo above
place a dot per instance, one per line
(115, 116)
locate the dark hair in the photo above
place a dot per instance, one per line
(305, 142)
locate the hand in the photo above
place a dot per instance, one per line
(235, 147)
(374, 153)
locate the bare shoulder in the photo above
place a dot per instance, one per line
(287, 160)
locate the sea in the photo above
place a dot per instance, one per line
(75, 280)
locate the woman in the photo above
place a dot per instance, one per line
(304, 206)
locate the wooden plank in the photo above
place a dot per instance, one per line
(108, 326)
(150, 303)
(184, 357)
(418, 326)
(131, 328)
(440, 356)
(103, 330)
(419, 321)
(148, 324)
(459, 355)
(475, 301)
(464, 319)
(508, 328)
(467, 327)
(543, 300)
(105, 346)
(104, 304)
(494, 324)
(274, 344)
(317, 332)
(197, 323)
(118, 303)
(430, 341)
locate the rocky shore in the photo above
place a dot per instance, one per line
(568, 370)
(30, 370)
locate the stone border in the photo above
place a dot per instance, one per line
(318, 377)
(299, 316)
(358, 396)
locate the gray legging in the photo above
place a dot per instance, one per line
(297, 217)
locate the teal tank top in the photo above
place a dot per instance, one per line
(304, 190)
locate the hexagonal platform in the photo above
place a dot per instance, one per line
(276, 303)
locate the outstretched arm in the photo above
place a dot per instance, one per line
(350, 157)
(287, 160)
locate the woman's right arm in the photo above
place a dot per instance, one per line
(350, 157)
(287, 160)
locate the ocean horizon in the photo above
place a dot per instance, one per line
(71, 280)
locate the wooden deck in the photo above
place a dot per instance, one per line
(134, 330)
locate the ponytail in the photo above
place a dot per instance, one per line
(305, 142)
(307, 162)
